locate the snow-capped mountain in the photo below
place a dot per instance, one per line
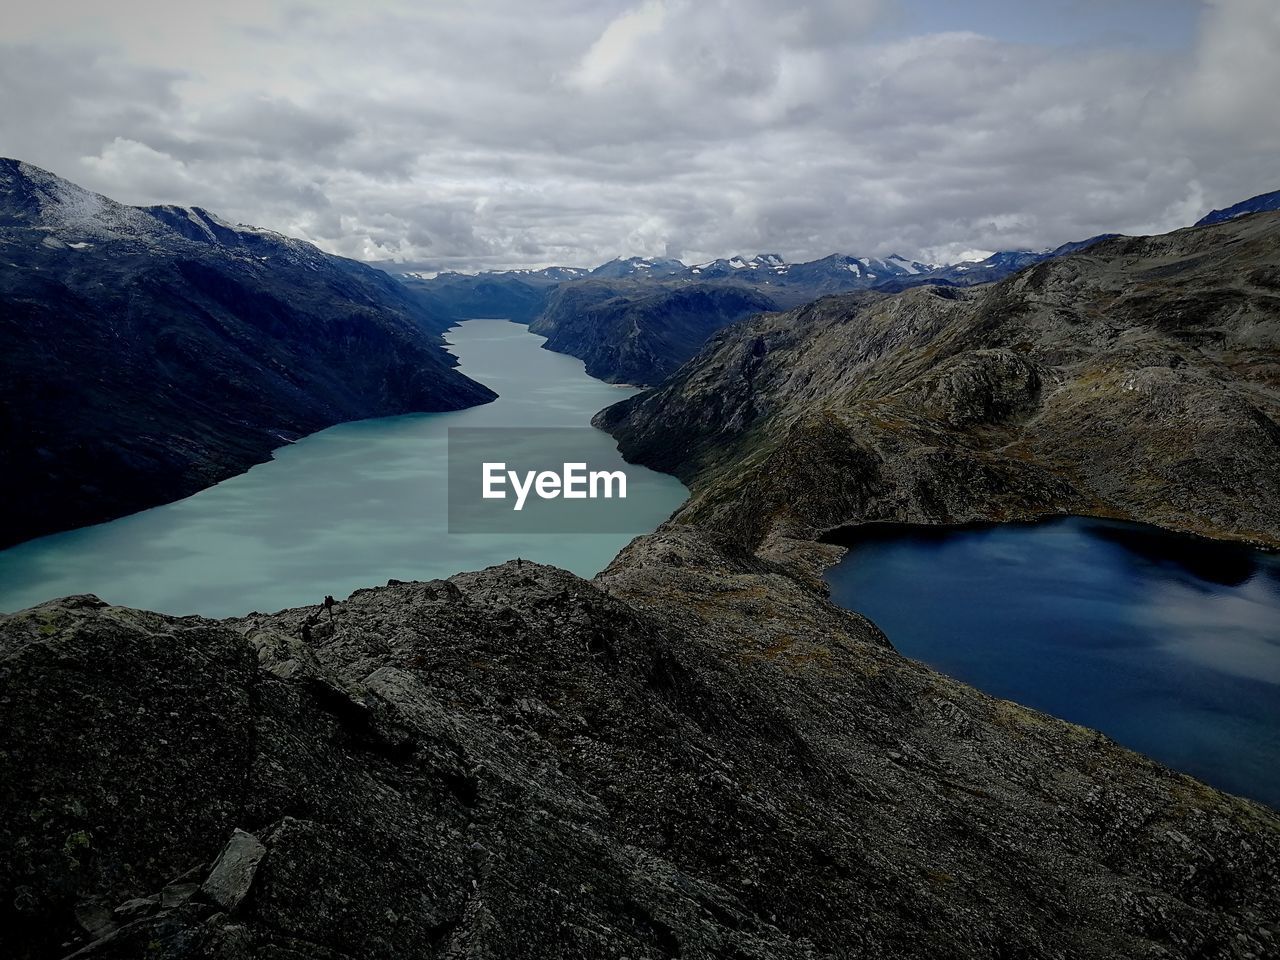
(553, 274)
(764, 263)
(856, 273)
(995, 267)
(559, 274)
(71, 217)
(638, 267)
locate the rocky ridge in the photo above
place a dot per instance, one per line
(695, 755)
(1137, 379)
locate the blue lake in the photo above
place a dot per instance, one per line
(349, 507)
(1168, 644)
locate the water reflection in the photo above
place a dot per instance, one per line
(1170, 644)
(1227, 564)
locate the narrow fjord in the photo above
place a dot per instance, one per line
(356, 504)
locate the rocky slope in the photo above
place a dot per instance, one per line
(632, 333)
(1139, 378)
(146, 353)
(693, 756)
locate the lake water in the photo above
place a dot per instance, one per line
(349, 507)
(1170, 645)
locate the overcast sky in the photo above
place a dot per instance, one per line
(520, 133)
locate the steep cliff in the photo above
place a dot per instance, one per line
(146, 353)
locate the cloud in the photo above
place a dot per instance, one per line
(618, 45)
(494, 134)
(1233, 87)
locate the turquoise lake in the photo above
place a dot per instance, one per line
(1168, 644)
(352, 506)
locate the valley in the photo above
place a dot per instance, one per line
(690, 749)
(356, 504)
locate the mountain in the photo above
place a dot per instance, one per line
(1259, 204)
(995, 267)
(759, 267)
(636, 320)
(464, 297)
(517, 295)
(637, 267)
(1138, 378)
(629, 333)
(521, 295)
(694, 755)
(148, 352)
(840, 273)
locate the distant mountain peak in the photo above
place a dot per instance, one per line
(1259, 204)
(638, 266)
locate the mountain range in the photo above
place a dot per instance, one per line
(695, 753)
(636, 319)
(797, 282)
(1137, 378)
(149, 352)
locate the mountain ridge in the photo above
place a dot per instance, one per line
(1262, 203)
(633, 345)
(149, 352)
(1138, 378)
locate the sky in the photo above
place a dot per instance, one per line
(511, 133)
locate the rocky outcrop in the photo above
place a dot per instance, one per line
(146, 353)
(695, 755)
(1138, 379)
(232, 875)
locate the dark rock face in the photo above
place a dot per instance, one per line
(148, 353)
(1139, 378)
(630, 333)
(695, 756)
(232, 876)
(519, 297)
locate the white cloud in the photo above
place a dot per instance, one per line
(618, 45)
(477, 135)
(1233, 87)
